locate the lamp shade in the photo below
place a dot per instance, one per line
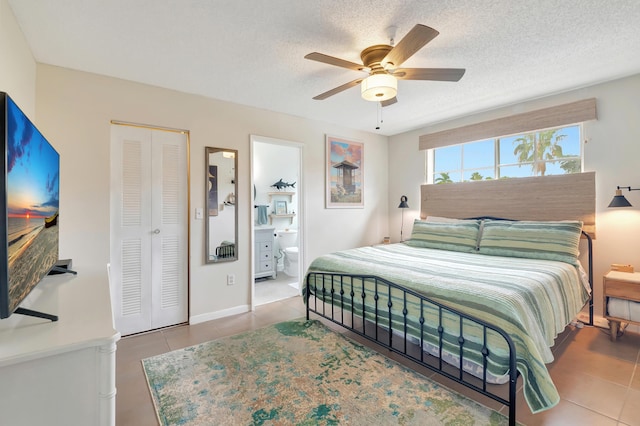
(379, 87)
(403, 202)
(619, 200)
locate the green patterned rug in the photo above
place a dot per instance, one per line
(299, 373)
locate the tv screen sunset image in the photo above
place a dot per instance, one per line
(33, 168)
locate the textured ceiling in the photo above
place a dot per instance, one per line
(251, 52)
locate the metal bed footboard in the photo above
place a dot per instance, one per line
(224, 251)
(326, 296)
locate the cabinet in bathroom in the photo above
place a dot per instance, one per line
(265, 265)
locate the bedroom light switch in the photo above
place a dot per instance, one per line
(199, 213)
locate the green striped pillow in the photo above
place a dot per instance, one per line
(455, 236)
(535, 240)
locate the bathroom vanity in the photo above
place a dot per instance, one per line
(265, 265)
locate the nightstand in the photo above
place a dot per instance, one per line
(620, 285)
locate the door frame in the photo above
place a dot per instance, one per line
(187, 134)
(302, 231)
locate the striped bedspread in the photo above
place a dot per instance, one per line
(532, 300)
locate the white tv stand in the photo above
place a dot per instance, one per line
(63, 372)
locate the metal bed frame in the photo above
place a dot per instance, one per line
(329, 297)
(225, 251)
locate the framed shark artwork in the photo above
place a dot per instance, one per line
(345, 173)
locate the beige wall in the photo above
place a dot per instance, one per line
(17, 66)
(611, 149)
(74, 110)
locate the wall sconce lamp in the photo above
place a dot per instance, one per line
(619, 200)
(403, 205)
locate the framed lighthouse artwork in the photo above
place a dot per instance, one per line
(345, 173)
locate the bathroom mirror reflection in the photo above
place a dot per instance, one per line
(221, 212)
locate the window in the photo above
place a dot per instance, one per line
(545, 152)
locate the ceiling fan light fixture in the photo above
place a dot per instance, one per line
(379, 87)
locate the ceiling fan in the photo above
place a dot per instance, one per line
(382, 62)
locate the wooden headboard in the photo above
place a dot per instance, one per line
(557, 197)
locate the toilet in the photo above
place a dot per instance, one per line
(288, 241)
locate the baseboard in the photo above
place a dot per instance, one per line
(209, 316)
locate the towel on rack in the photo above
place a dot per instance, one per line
(262, 215)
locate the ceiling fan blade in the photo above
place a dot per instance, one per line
(389, 102)
(410, 44)
(337, 90)
(436, 74)
(326, 59)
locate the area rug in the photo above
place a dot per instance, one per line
(299, 373)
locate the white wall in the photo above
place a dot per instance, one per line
(612, 150)
(75, 108)
(17, 67)
(273, 162)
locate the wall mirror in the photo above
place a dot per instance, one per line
(221, 212)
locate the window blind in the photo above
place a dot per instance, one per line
(560, 115)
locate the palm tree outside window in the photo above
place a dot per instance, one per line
(539, 153)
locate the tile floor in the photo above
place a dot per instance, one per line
(269, 290)
(598, 381)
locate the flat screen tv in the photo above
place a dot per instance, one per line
(28, 208)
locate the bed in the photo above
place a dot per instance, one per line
(477, 300)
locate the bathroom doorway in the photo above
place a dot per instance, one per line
(277, 219)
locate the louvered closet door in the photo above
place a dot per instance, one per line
(148, 228)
